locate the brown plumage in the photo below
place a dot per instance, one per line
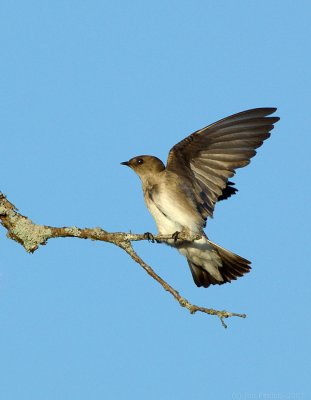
(183, 194)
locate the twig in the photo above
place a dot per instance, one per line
(126, 245)
(31, 236)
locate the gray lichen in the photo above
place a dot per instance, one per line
(28, 233)
(74, 231)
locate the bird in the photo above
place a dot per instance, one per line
(181, 196)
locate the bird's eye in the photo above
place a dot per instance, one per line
(140, 161)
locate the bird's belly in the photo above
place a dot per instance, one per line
(172, 215)
(164, 224)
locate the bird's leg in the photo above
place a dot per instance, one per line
(184, 235)
(149, 236)
(175, 236)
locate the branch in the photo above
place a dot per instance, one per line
(31, 236)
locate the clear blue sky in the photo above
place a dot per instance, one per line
(85, 85)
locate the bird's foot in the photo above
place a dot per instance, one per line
(184, 236)
(175, 236)
(150, 237)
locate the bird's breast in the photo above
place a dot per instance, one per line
(171, 209)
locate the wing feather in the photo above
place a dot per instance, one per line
(209, 157)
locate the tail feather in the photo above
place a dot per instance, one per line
(201, 277)
(233, 267)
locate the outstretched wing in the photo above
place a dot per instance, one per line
(210, 156)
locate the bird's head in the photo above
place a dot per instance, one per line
(145, 166)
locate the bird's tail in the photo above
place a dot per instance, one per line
(211, 264)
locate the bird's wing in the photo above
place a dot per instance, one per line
(210, 156)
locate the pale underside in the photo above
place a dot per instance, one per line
(171, 215)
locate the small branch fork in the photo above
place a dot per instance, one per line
(31, 236)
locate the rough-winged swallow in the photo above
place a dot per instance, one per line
(183, 194)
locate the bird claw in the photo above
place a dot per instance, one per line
(175, 236)
(149, 236)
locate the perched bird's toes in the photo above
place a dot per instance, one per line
(175, 236)
(149, 236)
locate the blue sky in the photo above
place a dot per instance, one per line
(86, 85)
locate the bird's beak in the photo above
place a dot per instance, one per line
(125, 163)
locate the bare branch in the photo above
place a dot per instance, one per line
(181, 300)
(31, 236)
